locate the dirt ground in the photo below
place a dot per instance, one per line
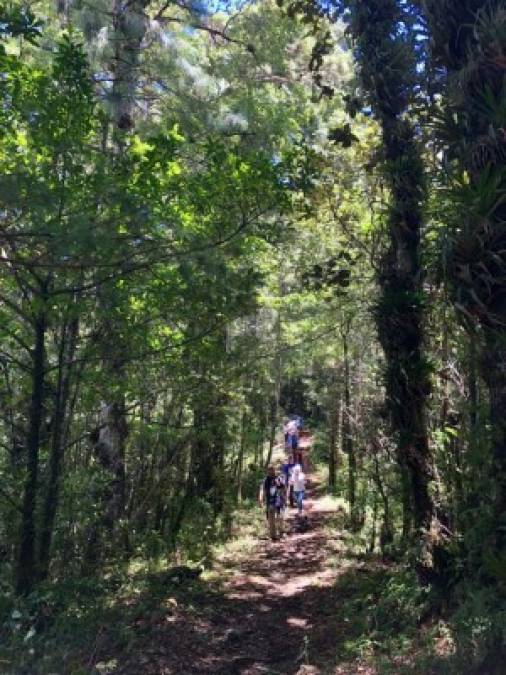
(277, 612)
(290, 607)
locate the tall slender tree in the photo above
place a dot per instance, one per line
(387, 60)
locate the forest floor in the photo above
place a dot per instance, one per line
(306, 605)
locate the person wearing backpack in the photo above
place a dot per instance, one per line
(272, 496)
(281, 498)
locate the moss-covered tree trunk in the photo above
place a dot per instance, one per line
(468, 45)
(388, 71)
(495, 379)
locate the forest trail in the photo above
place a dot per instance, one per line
(273, 609)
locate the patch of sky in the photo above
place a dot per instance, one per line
(200, 79)
(232, 121)
(102, 37)
(199, 7)
(421, 32)
(168, 39)
(221, 86)
(226, 6)
(105, 78)
(193, 71)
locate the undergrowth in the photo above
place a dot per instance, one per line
(385, 619)
(65, 627)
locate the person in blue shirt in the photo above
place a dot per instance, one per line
(292, 434)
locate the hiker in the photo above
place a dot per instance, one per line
(299, 486)
(292, 435)
(299, 422)
(287, 470)
(282, 485)
(273, 495)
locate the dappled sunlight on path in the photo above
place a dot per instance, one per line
(289, 607)
(274, 610)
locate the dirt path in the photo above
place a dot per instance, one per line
(306, 605)
(310, 604)
(276, 613)
(280, 594)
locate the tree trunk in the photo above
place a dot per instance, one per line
(335, 416)
(110, 449)
(390, 83)
(275, 399)
(495, 378)
(407, 506)
(129, 28)
(348, 441)
(473, 384)
(66, 355)
(130, 24)
(401, 334)
(26, 567)
(462, 48)
(240, 458)
(372, 544)
(209, 414)
(387, 530)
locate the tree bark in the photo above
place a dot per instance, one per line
(407, 506)
(473, 384)
(387, 530)
(240, 458)
(26, 566)
(347, 435)
(66, 355)
(462, 48)
(390, 84)
(335, 417)
(130, 25)
(276, 396)
(495, 378)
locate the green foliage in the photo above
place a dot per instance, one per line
(17, 21)
(383, 613)
(218, 226)
(479, 625)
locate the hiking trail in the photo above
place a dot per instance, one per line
(273, 608)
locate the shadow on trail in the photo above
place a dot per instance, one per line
(285, 610)
(265, 623)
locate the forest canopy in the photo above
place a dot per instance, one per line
(215, 215)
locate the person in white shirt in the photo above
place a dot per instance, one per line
(298, 480)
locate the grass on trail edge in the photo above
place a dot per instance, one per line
(313, 603)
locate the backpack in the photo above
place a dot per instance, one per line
(280, 492)
(270, 491)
